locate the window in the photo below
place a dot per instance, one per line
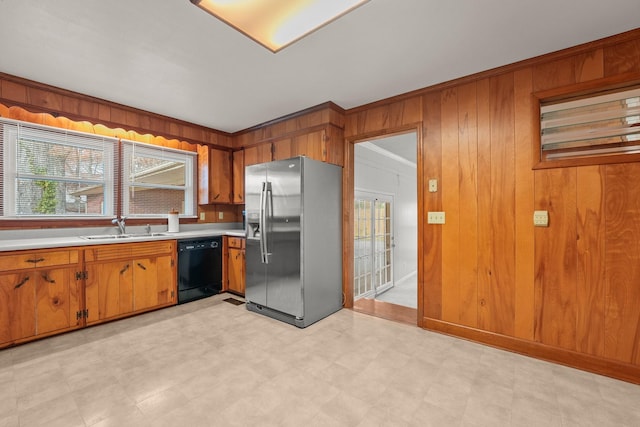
(595, 126)
(156, 180)
(48, 172)
(53, 172)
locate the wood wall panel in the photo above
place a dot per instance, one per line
(485, 230)
(40, 98)
(622, 58)
(549, 75)
(590, 66)
(468, 204)
(431, 240)
(524, 188)
(314, 118)
(622, 263)
(556, 258)
(590, 297)
(379, 119)
(499, 297)
(450, 187)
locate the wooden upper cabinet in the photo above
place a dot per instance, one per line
(258, 154)
(214, 176)
(282, 149)
(310, 145)
(238, 177)
(323, 145)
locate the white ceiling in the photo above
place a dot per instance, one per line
(171, 58)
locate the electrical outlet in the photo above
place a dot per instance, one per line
(202, 217)
(220, 215)
(541, 218)
(435, 217)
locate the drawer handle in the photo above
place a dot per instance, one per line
(216, 196)
(142, 266)
(22, 282)
(125, 268)
(34, 261)
(48, 279)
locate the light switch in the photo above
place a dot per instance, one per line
(202, 216)
(541, 218)
(220, 215)
(433, 185)
(435, 217)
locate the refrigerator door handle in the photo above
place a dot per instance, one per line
(268, 212)
(263, 222)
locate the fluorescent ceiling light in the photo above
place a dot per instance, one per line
(275, 24)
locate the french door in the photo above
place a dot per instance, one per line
(373, 244)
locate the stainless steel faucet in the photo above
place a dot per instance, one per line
(120, 223)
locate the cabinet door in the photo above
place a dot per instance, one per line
(282, 149)
(236, 270)
(58, 302)
(17, 306)
(214, 175)
(220, 186)
(153, 282)
(238, 177)
(109, 290)
(311, 145)
(166, 281)
(257, 154)
(145, 283)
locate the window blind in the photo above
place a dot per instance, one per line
(48, 171)
(599, 125)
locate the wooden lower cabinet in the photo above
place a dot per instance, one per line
(236, 265)
(40, 296)
(108, 290)
(48, 292)
(129, 278)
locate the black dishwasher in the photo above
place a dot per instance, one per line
(199, 268)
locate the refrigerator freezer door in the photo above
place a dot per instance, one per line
(284, 289)
(256, 273)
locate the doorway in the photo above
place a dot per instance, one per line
(372, 244)
(385, 226)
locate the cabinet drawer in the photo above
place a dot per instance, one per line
(129, 250)
(236, 242)
(28, 260)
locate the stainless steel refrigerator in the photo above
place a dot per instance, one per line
(294, 239)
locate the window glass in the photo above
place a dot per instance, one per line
(51, 172)
(156, 180)
(55, 172)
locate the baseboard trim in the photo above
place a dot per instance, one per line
(586, 362)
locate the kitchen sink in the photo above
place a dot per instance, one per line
(121, 236)
(107, 236)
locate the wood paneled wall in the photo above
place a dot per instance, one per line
(327, 115)
(22, 99)
(40, 98)
(569, 292)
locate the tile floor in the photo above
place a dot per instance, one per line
(210, 363)
(404, 293)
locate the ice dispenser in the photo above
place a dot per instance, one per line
(253, 225)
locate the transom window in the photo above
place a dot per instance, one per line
(591, 127)
(57, 173)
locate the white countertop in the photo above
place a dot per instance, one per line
(46, 240)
